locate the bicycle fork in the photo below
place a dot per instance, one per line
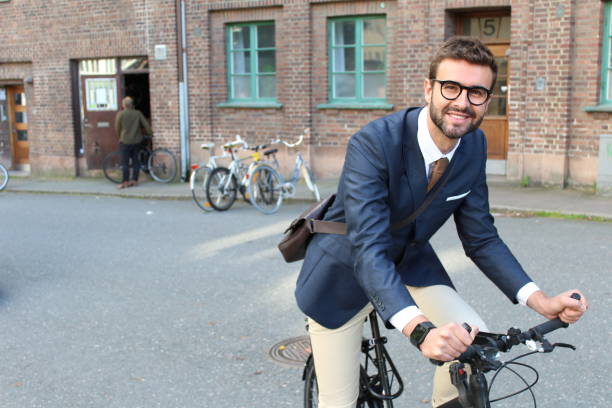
(382, 358)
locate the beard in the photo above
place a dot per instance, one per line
(450, 131)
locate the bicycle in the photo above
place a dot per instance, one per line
(224, 183)
(159, 163)
(4, 177)
(200, 174)
(268, 188)
(380, 382)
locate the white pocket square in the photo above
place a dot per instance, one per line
(458, 196)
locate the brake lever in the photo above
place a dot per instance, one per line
(564, 345)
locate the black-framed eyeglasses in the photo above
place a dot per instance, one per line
(477, 95)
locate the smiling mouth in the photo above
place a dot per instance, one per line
(461, 117)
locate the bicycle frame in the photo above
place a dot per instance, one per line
(380, 384)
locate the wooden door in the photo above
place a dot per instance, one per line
(18, 123)
(100, 101)
(493, 29)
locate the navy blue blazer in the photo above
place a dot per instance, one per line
(382, 182)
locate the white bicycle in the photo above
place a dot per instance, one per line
(201, 172)
(267, 187)
(4, 177)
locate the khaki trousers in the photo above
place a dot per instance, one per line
(337, 352)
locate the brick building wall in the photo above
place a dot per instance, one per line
(555, 57)
(41, 38)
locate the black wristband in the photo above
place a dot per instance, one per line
(420, 332)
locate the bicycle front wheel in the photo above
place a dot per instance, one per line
(4, 177)
(311, 389)
(197, 183)
(162, 165)
(265, 189)
(111, 165)
(221, 189)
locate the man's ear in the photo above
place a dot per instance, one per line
(427, 90)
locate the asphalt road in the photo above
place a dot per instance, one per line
(110, 302)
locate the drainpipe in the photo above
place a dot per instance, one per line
(183, 95)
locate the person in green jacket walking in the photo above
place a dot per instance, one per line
(130, 124)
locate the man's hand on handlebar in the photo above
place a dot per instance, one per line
(447, 342)
(444, 343)
(563, 306)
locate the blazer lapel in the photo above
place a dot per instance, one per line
(414, 164)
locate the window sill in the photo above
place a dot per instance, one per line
(368, 106)
(251, 105)
(598, 108)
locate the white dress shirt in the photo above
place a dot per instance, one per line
(431, 153)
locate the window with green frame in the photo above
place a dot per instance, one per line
(357, 68)
(606, 54)
(251, 62)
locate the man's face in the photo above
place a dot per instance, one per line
(455, 118)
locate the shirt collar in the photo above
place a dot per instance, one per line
(429, 150)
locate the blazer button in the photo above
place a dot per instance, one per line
(414, 243)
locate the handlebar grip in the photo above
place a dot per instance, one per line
(554, 324)
(550, 325)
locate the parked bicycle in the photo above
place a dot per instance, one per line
(380, 382)
(268, 188)
(224, 183)
(4, 174)
(159, 163)
(4, 177)
(200, 174)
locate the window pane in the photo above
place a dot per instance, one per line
(242, 62)
(265, 36)
(374, 85)
(497, 107)
(504, 29)
(502, 66)
(489, 28)
(374, 31)
(20, 99)
(609, 85)
(242, 86)
(22, 135)
(266, 61)
(344, 86)
(267, 86)
(21, 117)
(344, 59)
(97, 67)
(373, 58)
(240, 37)
(101, 94)
(134, 63)
(344, 32)
(471, 27)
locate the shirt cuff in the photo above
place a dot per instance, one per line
(523, 294)
(404, 316)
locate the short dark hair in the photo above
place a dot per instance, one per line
(128, 102)
(468, 49)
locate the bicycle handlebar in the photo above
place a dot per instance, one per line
(504, 342)
(299, 141)
(236, 143)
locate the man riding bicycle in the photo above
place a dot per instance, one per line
(393, 165)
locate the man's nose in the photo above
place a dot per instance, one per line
(462, 99)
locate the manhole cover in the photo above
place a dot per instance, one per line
(293, 352)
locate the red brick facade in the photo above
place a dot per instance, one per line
(555, 57)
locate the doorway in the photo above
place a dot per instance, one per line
(103, 84)
(493, 29)
(17, 115)
(137, 86)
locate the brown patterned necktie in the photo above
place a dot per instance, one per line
(436, 170)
